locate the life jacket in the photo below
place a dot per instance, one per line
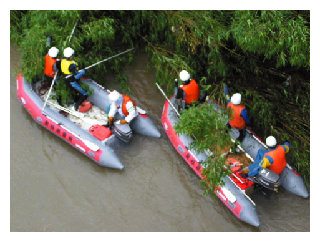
(279, 159)
(192, 91)
(236, 120)
(126, 99)
(65, 64)
(48, 65)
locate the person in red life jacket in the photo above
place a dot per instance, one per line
(122, 104)
(189, 92)
(70, 67)
(52, 65)
(273, 159)
(239, 118)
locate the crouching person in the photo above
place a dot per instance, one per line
(273, 159)
(123, 105)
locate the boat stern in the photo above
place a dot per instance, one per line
(293, 182)
(142, 124)
(109, 159)
(250, 216)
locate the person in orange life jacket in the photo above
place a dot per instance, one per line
(239, 118)
(123, 104)
(273, 159)
(189, 91)
(70, 67)
(52, 65)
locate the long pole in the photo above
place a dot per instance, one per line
(55, 76)
(73, 31)
(168, 100)
(103, 61)
(74, 113)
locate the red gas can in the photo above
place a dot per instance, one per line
(85, 106)
(100, 132)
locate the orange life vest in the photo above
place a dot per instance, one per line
(192, 91)
(48, 65)
(126, 99)
(236, 120)
(279, 159)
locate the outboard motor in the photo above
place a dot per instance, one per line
(123, 132)
(268, 179)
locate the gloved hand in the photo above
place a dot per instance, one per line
(288, 144)
(111, 119)
(123, 121)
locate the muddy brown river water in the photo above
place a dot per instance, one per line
(53, 187)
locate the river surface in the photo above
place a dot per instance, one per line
(54, 187)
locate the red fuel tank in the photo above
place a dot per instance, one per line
(100, 132)
(85, 106)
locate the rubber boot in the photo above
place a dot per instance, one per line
(80, 101)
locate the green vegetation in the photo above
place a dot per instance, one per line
(264, 55)
(208, 128)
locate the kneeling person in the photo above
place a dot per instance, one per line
(123, 105)
(273, 159)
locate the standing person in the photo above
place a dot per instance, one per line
(239, 118)
(273, 159)
(70, 67)
(189, 91)
(123, 104)
(52, 65)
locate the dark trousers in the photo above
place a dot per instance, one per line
(48, 79)
(241, 131)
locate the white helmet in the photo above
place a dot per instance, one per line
(236, 98)
(184, 76)
(114, 96)
(271, 141)
(53, 52)
(68, 52)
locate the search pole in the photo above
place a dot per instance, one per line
(103, 61)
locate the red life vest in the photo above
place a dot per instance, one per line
(279, 159)
(48, 65)
(236, 120)
(192, 91)
(126, 99)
